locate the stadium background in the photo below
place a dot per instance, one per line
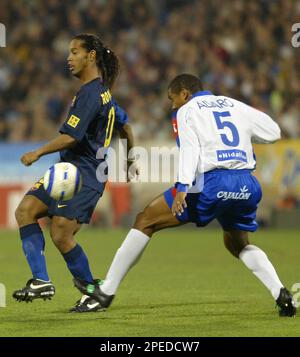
(239, 48)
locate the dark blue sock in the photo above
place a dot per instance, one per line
(78, 264)
(33, 243)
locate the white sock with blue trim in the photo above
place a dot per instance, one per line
(257, 261)
(126, 256)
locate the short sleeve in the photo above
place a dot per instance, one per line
(189, 149)
(121, 117)
(82, 112)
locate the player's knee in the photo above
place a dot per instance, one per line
(59, 224)
(139, 219)
(143, 222)
(19, 214)
(62, 241)
(61, 233)
(24, 213)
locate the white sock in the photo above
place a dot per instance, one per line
(127, 255)
(257, 261)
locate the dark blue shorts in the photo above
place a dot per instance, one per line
(80, 207)
(230, 196)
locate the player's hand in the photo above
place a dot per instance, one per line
(133, 170)
(29, 158)
(179, 203)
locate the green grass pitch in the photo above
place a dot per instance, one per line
(186, 284)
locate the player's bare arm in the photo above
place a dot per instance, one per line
(125, 132)
(61, 142)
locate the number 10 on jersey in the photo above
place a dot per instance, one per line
(110, 126)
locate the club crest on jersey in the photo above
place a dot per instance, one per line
(73, 121)
(175, 129)
(37, 185)
(242, 195)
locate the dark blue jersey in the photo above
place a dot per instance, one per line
(91, 120)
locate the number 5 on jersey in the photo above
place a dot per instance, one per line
(110, 126)
(227, 124)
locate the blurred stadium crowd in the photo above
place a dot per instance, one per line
(239, 48)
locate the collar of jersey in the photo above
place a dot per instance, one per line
(201, 92)
(95, 79)
(197, 94)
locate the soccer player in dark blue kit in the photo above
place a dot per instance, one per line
(89, 126)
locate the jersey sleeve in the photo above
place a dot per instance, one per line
(81, 114)
(264, 130)
(189, 149)
(121, 117)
